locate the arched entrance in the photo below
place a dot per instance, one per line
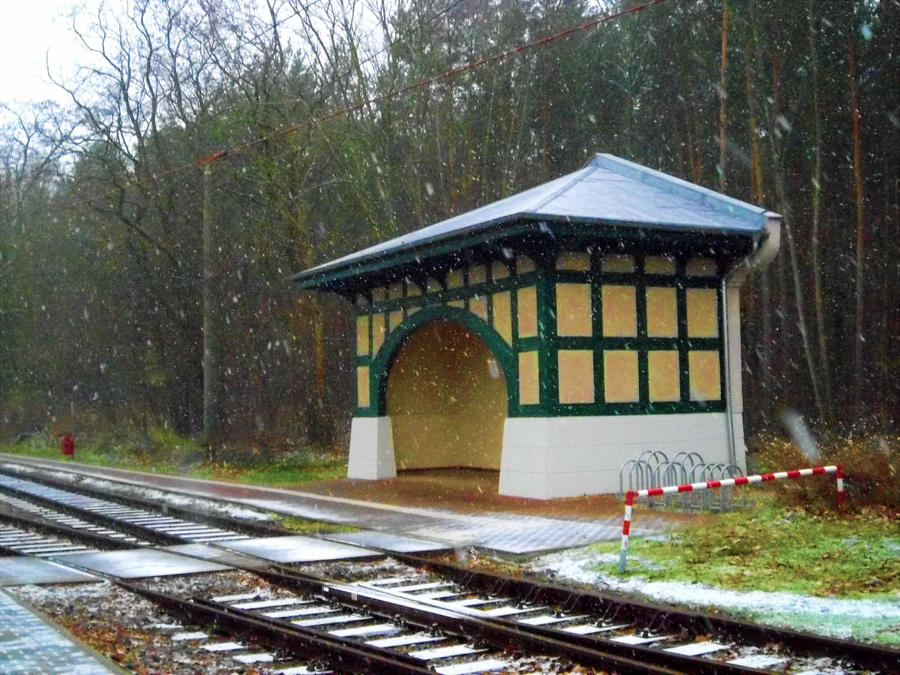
(447, 400)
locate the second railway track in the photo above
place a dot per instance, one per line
(416, 614)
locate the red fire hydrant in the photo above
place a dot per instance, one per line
(67, 443)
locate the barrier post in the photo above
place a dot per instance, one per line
(839, 478)
(626, 528)
(631, 495)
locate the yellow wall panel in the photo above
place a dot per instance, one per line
(461, 304)
(478, 307)
(619, 311)
(659, 264)
(503, 315)
(455, 279)
(524, 264)
(395, 291)
(477, 275)
(573, 309)
(617, 263)
(378, 294)
(664, 379)
(529, 378)
(433, 286)
(499, 271)
(362, 335)
(702, 314)
(662, 312)
(571, 260)
(378, 332)
(700, 267)
(576, 375)
(704, 376)
(396, 318)
(362, 386)
(620, 376)
(413, 290)
(527, 301)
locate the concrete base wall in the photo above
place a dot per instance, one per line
(549, 457)
(371, 449)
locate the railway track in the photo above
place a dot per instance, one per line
(424, 613)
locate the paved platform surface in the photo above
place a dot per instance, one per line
(18, 571)
(505, 533)
(140, 563)
(28, 644)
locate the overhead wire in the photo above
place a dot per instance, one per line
(450, 73)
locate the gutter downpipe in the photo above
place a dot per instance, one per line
(765, 248)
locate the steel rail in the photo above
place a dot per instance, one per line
(284, 635)
(659, 616)
(86, 537)
(255, 528)
(343, 655)
(621, 658)
(137, 531)
(626, 660)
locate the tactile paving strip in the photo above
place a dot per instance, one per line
(29, 645)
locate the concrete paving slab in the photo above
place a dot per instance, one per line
(28, 644)
(297, 548)
(141, 562)
(16, 571)
(217, 555)
(388, 542)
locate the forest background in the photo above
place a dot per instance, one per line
(791, 105)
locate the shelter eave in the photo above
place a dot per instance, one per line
(339, 274)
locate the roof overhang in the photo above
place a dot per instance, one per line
(608, 200)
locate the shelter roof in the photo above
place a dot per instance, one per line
(608, 190)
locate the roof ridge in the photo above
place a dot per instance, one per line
(576, 177)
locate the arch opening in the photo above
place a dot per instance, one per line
(446, 395)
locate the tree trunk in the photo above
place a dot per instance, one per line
(211, 355)
(860, 228)
(824, 363)
(723, 96)
(784, 207)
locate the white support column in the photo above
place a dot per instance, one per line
(371, 449)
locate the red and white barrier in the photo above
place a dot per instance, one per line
(631, 495)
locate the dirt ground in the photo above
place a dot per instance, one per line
(463, 490)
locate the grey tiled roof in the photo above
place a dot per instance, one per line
(608, 190)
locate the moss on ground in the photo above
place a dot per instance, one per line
(770, 547)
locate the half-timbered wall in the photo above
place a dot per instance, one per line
(589, 333)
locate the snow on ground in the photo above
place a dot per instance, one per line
(863, 619)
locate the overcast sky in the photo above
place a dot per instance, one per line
(29, 29)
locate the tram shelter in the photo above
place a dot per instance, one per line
(555, 334)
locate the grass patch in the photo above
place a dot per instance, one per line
(306, 526)
(280, 473)
(162, 451)
(775, 548)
